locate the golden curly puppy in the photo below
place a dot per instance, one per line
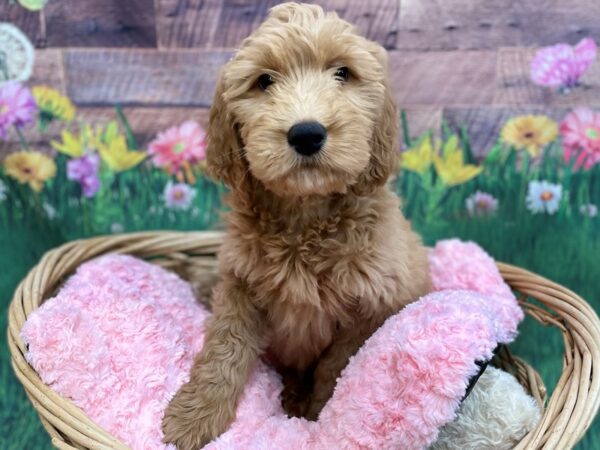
(303, 130)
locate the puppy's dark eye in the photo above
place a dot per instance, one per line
(342, 74)
(264, 81)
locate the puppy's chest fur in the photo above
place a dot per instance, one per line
(313, 270)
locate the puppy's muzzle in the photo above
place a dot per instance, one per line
(307, 138)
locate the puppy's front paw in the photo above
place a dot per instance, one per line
(193, 418)
(293, 404)
(314, 409)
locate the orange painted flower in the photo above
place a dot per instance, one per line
(33, 168)
(530, 132)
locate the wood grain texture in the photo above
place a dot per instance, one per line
(187, 23)
(516, 88)
(376, 19)
(443, 78)
(483, 125)
(48, 69)
(134, 77)
(100, 23)
(422, 120)
(225, 23)
(27, 21)
(468, 24)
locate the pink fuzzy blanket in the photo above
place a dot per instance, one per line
(121, 335)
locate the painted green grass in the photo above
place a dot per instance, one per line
(21, 247)
(564, 247)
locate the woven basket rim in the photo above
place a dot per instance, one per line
(567, 413)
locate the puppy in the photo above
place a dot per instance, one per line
(303, 130)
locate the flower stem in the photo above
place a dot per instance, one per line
(405, 130)
(3, 65)
(22, 139)
(131, 142)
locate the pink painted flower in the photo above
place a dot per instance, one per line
(178, 146)
(481, 204)
(580, 132)
(562, 65)
(17, 107)
(179, 196)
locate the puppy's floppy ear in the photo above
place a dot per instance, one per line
(224, 158)
(384, 141)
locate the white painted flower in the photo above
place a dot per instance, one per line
(49, 210)
(16, 53)
(3, 191)
(481, 204)
(178, 196)
(116, 228)
(543, 197)
(588, 210)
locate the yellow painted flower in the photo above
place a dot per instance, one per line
(117, 156)
(450, 166)
(76, 145)
(33, 168)
(87, 141)
(530, 132)
(52, 105)
(418, 159)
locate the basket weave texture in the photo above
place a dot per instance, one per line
(567, 413)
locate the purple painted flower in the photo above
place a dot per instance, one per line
(17, 107)
(90, 185)
(178, 196)
(561, 66)
(481, 204)
(84, 170)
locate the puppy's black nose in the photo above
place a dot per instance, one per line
(307, 138)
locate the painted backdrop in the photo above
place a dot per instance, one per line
(103, 107)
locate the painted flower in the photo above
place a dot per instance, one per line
(17, 107)
(18, 53)
(117, 156)
(53, 106)
(562, 65)
(543, 197)
(3, 191)
(481, 204)
(178, 196)
(418, 159)
(178, 147)
(116, 228)
(49, 210)
(84, 170)
(450, 166)
(77, 145)
(580, 132)
(529, 132)
(30, 167)
(588, 210)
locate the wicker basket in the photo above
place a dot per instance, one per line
(567, 413)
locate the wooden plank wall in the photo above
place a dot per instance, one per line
(454, 60)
